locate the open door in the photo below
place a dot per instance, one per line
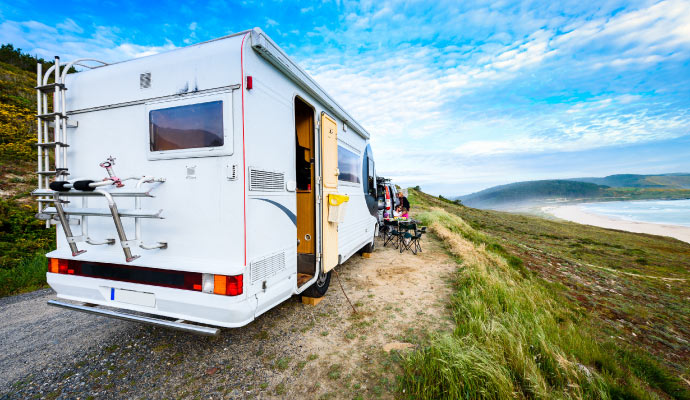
(329, 179)
(306, 191)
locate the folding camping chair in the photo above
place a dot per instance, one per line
(411, 241)
(392, 234)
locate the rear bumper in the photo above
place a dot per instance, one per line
(204, 308)
(181, 326)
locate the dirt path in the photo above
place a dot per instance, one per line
(292, 351)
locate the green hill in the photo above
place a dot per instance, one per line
(22, 236)
(530, 191)
(613, 187)
(673, 181)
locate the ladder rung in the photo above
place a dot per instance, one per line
(105, 212)
(51, 144)
(58, 171)
(50, 88)
(51, 115)
(114, 193)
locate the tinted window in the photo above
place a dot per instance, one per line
(348, 165)
(187, 127)
(368, 173)
(371, 178)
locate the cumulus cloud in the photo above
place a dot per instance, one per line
(451, 87)
(70, 41)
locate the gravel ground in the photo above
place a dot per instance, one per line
(292, 351)
(35, 336)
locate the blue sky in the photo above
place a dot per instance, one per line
(458, 96)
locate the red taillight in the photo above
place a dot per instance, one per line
(128, 273)
(58, 266)
(234, 285)
(250, 83)
(227, 285)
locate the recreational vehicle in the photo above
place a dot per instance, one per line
(198, 188)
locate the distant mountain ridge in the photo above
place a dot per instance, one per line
(675, 180)
(529, 191)
(612, 187)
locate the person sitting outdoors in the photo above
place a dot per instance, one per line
(403, 200)
(397, 212)
(404, 212)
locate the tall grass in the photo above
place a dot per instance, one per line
(513, 336)
(29, 275)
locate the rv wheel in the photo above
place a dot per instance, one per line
(319, 288)
(369, 248)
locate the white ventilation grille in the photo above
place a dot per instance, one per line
(266, 181)
(145, 80)
(267, 267)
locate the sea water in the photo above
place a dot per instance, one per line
(671, 212)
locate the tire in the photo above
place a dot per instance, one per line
(320, 287)
(369, 248)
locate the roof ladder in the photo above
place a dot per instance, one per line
(52, 136)
(52, 124)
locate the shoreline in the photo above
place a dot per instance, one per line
(575, 213)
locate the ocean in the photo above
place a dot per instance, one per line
(670, 212)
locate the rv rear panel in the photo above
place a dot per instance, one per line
(220, 188)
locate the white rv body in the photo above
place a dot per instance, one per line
(227, 210)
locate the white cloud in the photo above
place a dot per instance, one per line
(586, 133)
(408, 91)
(68, 25)
(644, 36)
(67, 40)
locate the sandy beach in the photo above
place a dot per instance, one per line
(575, 213)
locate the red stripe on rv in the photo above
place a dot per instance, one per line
(244, 163)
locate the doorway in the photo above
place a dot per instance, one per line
(306, 191)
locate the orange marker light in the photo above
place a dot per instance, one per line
(53, 265)
(227, 285)
(219, 284)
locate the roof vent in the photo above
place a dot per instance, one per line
(145, 80)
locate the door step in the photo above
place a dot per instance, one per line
(302, 279)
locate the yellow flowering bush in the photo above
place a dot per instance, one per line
(17, 132)
(17, 114)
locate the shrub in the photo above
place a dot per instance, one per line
(21, 234)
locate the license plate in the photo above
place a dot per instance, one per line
(133, 297)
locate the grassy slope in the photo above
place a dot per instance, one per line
(549, 309)
(21, 235)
